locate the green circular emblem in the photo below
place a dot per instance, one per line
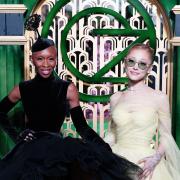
(98, 78)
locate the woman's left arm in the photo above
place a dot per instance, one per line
(168, 147)
(164, 129)
(86, 132)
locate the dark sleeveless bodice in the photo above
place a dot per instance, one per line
(44, 102)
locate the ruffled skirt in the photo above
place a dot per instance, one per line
(53, 157)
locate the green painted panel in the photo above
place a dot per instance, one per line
(11, 64)
(3, 82)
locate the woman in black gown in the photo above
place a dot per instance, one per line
(41, 152)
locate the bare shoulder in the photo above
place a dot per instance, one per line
(115, 98)
(72, 89)
(15, 95)
(73, 95)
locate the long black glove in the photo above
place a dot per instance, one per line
(5, 106)
(7, 127)
(87, 133)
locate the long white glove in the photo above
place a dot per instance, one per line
(149, 165)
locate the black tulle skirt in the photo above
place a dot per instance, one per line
(52, 157)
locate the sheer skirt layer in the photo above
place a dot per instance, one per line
(50, 155)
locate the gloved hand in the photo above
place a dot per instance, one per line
(27, 135)
(149, 165)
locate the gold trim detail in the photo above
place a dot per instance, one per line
(12, 8)
(175, 41)
(13, 40)
(176, 9)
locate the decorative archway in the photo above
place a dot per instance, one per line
(87, 54)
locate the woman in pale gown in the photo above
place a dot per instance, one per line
(138, 113)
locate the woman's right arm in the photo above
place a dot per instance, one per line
(8, 102)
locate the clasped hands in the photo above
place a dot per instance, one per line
(149, 165)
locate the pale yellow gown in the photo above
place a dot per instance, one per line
(132, 127)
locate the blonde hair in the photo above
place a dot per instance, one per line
(145, 47)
